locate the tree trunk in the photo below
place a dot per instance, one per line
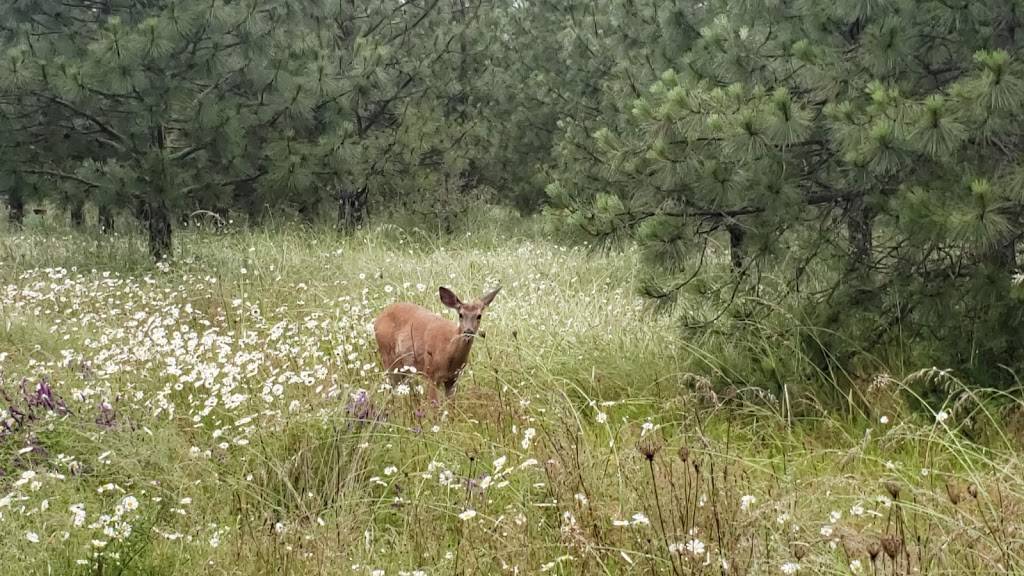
(158, 222)
(308, 212)
(246, 196)
(1004, 256)
(106, 219)
(221, 223)
(77, 210)
(15, 208)
(737, 235)
(859, 228)
(351, 209)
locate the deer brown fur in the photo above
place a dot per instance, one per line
(412, 336)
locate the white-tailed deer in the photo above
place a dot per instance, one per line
(409, 335)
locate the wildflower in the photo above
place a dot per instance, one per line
(695, 547)
(25, 478)
(499, 463)
(826, 531)
(78, 515)
(390, 471)
(601, 417)
(528, 435)
(834, 516)
(856, 510)
(855, 567)
(884, 419)
(647, 427)
(467, 514)
(640, 519)
(790, 568)
(942, 416)
(32, 537)
(130, 503)
(746, 502)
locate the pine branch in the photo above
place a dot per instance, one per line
(119, 141)
(415, 24)
(58, 174)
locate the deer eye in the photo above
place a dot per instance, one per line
(478, 316)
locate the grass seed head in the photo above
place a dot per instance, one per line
(874, 549)
(893, 488)
(648, 447)
(892, 546)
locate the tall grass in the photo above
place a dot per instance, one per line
(225, 415)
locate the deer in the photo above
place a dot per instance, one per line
(410, 336)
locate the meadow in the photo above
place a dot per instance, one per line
(225, 414)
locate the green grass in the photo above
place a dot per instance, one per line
(218, 393)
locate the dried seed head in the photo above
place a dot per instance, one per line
(954, 491)
(874, 549)
(648, 447)
(973, 491)
(891, 545)
(684, 453)
(893, 488)
(799, 550)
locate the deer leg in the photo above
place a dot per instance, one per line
(432, 394)
(449, 387)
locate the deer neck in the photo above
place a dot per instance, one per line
(458, 351)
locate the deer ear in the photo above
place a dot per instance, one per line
(448, 298)
(489, 297)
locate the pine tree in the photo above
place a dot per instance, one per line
(879, 139)
(143, 103)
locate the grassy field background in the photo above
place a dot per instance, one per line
(224, 414)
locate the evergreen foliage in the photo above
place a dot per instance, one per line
(879, 141)
(865, 155)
